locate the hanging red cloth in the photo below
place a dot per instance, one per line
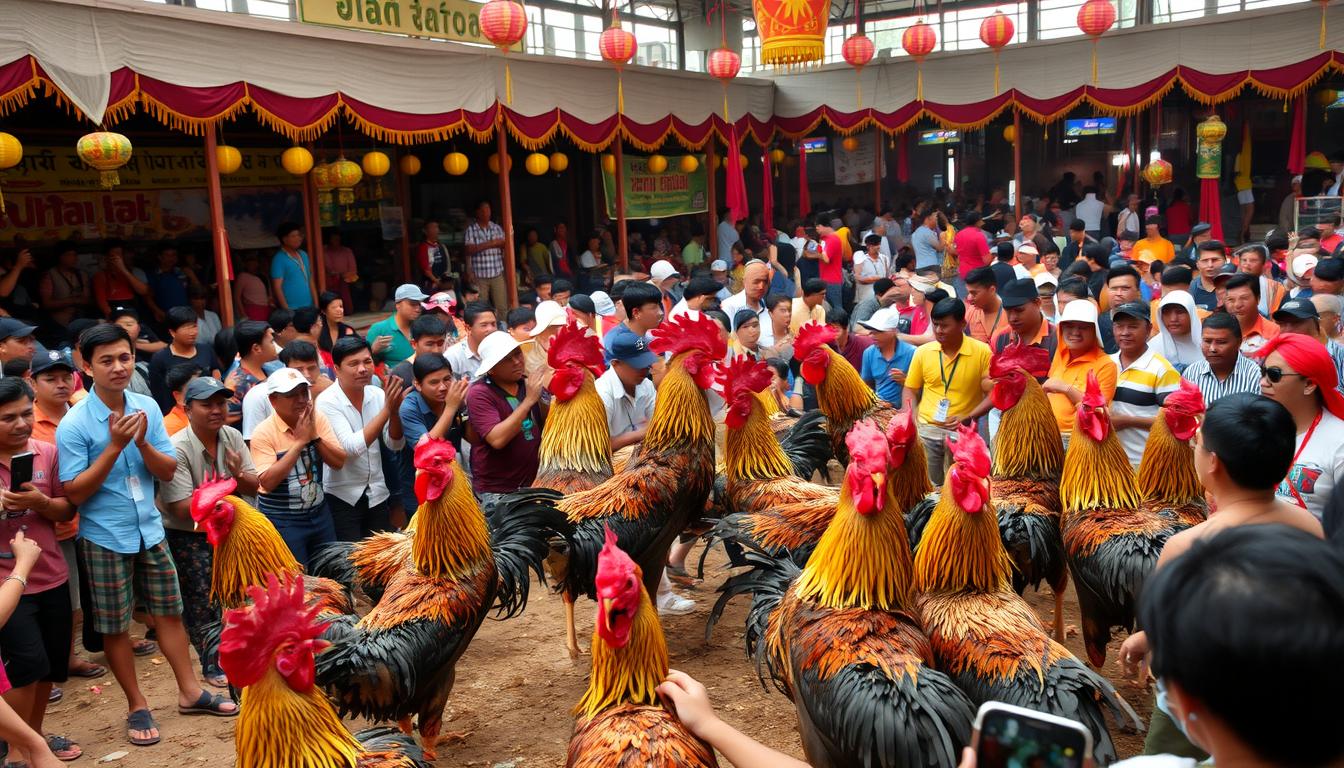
(902, 159)
(1210, 207)
(735, 187)
(767, 197)
(1297, 141)
(804, 197)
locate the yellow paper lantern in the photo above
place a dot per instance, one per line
(688, 163)
(657, 164)
(375, 164)
(228, 158)
(537, 164)
(493, 163)
(345, 174)
(715, 162)
(1327, 96)
(323, 182)
(11, 152)
(777, 156)
(743, 161)
(849, 143)
(105, 152)
(559, 161)
(609, 163)
(455, 163)
(409, 165)
(1010, 134)
(296, 160)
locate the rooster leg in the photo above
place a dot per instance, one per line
(1059, 615)
(571, 634)
(405, 725)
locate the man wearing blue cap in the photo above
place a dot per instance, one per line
(625, 387)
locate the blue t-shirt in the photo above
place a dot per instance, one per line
(877, 370)
(925, 243)
(295, 279)
(170, 289)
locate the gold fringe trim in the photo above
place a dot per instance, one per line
(193, 126)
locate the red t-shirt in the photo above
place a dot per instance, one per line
(1178, 218)
(972, 250)
(832, 271)
(50, 571)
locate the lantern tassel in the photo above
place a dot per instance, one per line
(109, 179)
(724, 83)
(620, 96)
(508, 84)
(1324, 5)
(996, 71)
(858, 88)
(919, 83)
(1094, 61)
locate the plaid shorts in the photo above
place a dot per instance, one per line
(118, 582)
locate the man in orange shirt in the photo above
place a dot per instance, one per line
(1241, 299)
(1153, 247)
(177, 379)
(1079, 353)
(985, 317)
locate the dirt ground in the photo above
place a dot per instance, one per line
(516, 685)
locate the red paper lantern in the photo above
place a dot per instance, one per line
(617, 48)
(724, 64)
(919, 41)
(858, 50)
(1094, 18)
(504, 22)
(996, 32)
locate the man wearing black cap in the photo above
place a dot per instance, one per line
(16, 340)
(1301, 316)
(1144, 381)
(1199, 234)
(1328, 277)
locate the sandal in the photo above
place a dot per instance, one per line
(216, 679)
(64, 749)
(209, 704)
(56, 695)
(87, 669)
(677, 575)
(142, 720)
(145, 647)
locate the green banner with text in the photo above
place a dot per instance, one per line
(651, 195)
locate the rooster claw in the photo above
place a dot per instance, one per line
(453, 737)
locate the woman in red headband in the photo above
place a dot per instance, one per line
(1297, 371)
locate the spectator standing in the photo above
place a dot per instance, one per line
(643, 312)
(485, 257)
(256, 348)
(1090, 211)
(832, 257)
(342, 271)
(251, 293)
(465, 355)
(626, 390)
(113, 447)
(972, 247)
(666, 278)
(507, 415)
(1210, 259)
(1296, 371)
(698, 291)
(169, 284)
(178, 377)
(985, 317)
(302, 357)
(1180, 330)
(431, 256)
(1301, 316)
(693, 253)
(1079, 238)
(330, 325)
(811, 306)
(755, 283)
(391, 336)
(849, 345)
(561, 265)
(435, 407)
(1153, 246)
(718, 270)
(116, 285)
(1253, 260)
(1241, 296)
(1223, 370)
(886, 362)
(184, 347)
(361, 415)
(928, 241)
(427, 338)
(1143, 380)
(780, 311)
(292, 282)
(207, 321)
(726, 233)
(64, 290)
(869, 267)
(1079, 354)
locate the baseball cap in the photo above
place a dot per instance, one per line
(13, 328)
(1300, 309)
(1225, 272)
(409, 292)
(52, 359)
(661, 270)
(630, 348)
(284, 380)
(442, 301)
(602, 304)
(1045, 278)
(1135, 309)
(1330, 270)
(1080, 311)
(582, 302)
(548, 313)
(885, 319)
(1301, 265)
(1201, 228)
(206, 387)
(1018, 292)
(719, 265)
(1028, 248)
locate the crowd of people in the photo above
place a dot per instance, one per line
(126, 392)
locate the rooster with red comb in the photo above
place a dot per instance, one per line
(1167, 476)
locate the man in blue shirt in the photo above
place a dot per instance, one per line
(928, 242)
(886, 362)
(432, 409)
(113, 447)
(292, 282)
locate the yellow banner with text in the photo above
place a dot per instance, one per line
(445, 19)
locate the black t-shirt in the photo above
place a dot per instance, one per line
(163, 361)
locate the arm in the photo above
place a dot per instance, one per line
(100, 294)
(84, 485)
(1122, 421)
(457, 394)
(278, 291)
(328, 446)
(629, 438)
(501, 433)
(691, 702)
(11, 278)
(155, 448)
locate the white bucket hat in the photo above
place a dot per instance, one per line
(1080, 311)
(493, 349)
(548, 313)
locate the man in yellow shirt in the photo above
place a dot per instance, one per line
(944, 379)
(810, 307)
(1153, 246)
(1079, 353)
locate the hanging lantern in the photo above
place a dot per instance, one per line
(228, 159)
(858, 50)
(919, 41)
(1209, 153)
(11, 153)
(504, 22)
(456, 163)
(688, 164)
(849, 144)
(743, 162)
(777, 155)
(657, 164)
(792, 32)
(996, 31)
(1094, 18)
(559, 161)
(1157, 173)
(376, 165)
(345, 174)
(618, 47)
(409, 165)
(1326, 96)
(105, 152)
(724, 64)
(1010, 134)
(296, 160)
(322, 181)
(537, 164)
(492, 163)
(609, 164)
(715, 162)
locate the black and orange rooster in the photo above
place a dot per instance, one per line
(398, 660)
(1112, 541)
(842, 639)
(984, 634)
(1167, 477)
(267, 649)
(621, 722)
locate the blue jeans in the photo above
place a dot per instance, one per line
(305, 535)
(835, 294)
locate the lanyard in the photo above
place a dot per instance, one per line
(1305, 439)
(989, 332)
(947, 377)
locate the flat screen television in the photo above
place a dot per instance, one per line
(939, 137)
(815, 145)
(1089, 126)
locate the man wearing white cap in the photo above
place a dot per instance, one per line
(887, 361)
(391, 336)
(1079, 353)
(666, 278)
(605, 309)
(507, 413)
(551, 317)
(718, 269)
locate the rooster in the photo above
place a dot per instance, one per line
(842, 639)
(1110, 538)
(399, 659)
(620, 719)
(268, 649)
(841, 393)
(984, 634)
(1167, 476)
(1028, 459)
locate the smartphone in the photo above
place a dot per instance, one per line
(20, 470)
(1006, 735)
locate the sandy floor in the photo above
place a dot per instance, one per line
(515, 688)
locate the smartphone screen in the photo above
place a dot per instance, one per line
(20, 470)
(1011, 739)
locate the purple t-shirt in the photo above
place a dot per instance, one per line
(514, 466)
(853, 351)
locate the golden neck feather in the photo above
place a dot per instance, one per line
(282, 728)
(1028, 445)
(961, 551)
(252, 549)
(753, 452)
(629, 675)
(909, 483)
(451, 538)
(862, 561)
(681, 415)
(1167, 469)
(1097, 475)
(842, 395)
(575, 437)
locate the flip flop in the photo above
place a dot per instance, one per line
(89, 670)
(216, 679)
(64, 749)
(208, 704)
(145, 648)
(141, 720)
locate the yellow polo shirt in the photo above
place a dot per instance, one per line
(1073, 371)
(930, 367)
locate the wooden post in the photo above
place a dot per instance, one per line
(1017, 164)
(622, 237)
(314, 232)
(506, 205)
(218, 235)
(877, 170)
(712, 234)
(402, 193)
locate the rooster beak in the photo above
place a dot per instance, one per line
(880, 480)
(606, 612)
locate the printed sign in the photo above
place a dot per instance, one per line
(444, 19)
(856, 167)
(657, 195)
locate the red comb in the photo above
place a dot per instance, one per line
(901, 432)
(1034, 360)
(868, 446)
(573, 350)
(742, 377)
(1093, 398)
(278, 616)
(684, 333)
(212, 490)
(970, 450)
(1188, 399)
(967, 479)
(612, 559)
(812, 336)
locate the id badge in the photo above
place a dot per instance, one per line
(133, 485)
(941, 413)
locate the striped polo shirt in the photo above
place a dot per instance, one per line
(1245, 377)
(1140, 389)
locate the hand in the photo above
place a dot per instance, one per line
(159, 314)
(123, 429)
(1134, 657)
(26, 551)
(897, 375)
(234, 379)
(690, 700)
(1053, 386)
(305, 429)
(381, 344)
(395, 391)
(233, 462)
(24, 260)
(142, 425)
(457, 394)
(28, 498)
(967, 758)
(953, 421)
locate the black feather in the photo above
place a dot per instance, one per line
(384, 738)
(808, 444)
(334, 562)
(917, 518)
(522, 524)
(768, 581)
(1035, 547)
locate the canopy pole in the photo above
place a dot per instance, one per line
(622, 238)
(712, 233)
(403, 199)
(877, 170)
(314, 232)
(506, 205)
(1017, 164)
(218, 235)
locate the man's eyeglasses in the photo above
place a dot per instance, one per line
(1275, 374)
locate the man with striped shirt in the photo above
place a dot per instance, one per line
(485, 258)
(1145, 378)
(1223, 371)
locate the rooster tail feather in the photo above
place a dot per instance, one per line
(387, 747)
(1034, 545)
(377, 674)
(768, 582)
(808, 444)
(333, 562)
(917, 518)
(522, 525)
